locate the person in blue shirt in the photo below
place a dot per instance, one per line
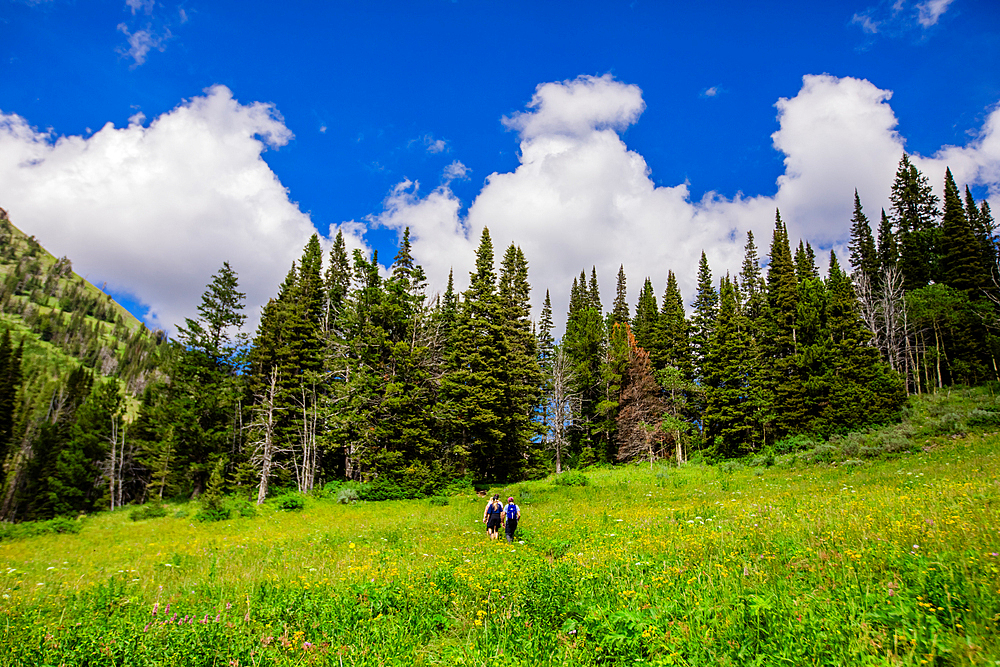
(493, 516)
(512, 514)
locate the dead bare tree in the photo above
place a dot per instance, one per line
(641, 410)
(263, 427)
(563, 403)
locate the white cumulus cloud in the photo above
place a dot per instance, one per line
(581, 198)
(155, 210)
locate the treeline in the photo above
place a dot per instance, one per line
(359, 379)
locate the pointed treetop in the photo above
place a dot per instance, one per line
(619, 310)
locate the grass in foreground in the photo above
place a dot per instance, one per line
(892, 562)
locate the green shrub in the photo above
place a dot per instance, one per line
(347, 495)
(148, 511)
(60, 524)
(794, 443)
(439, 501)
(572, 478)
(983, 419)
(291, 502)
(243, 507)
(209, 513)
(180, 514)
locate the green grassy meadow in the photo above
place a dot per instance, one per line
(891, 561)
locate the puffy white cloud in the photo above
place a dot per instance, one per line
(578, 107)
(155, 210)
(581, 198)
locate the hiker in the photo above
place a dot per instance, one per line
(511, 515)
(492, 516)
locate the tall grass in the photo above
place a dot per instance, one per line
(889, 561)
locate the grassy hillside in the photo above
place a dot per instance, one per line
(888, 561)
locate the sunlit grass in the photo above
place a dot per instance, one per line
(887, 562)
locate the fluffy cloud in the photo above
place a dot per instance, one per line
(580, 197)
(155, 210)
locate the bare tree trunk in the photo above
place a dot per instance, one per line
(268, 436)
(563, 404)
(111, 469)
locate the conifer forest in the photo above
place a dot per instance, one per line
(364, 380)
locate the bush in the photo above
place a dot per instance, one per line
(210, 513)
(794, 443)
(347, 495)
(244, 508)
(148, 511)
(571, 478)
(291, 502)
(983, 419)
(439, 501)
(60, 524)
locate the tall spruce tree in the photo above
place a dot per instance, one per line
(476, 381)
(728, 414)
(961, 252)
(706, 307)
(646, 316)
(619, 310)
(915, 217)
(864, 257)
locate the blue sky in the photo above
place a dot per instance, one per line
(240, 128)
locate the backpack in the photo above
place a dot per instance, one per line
(511, 512)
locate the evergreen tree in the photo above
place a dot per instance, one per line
(476, 380)
(888, 252)
(961, 252)
(751, 282)
(619, 311)
(524, 377)
(862, 390)
(673, 349)
(337, 281)
(864, 257)
(706, 306)
(914, 215)
(778, 385)
(203, 398)
(583, 343)
(646, 316)
(10, 384)
(728, 414)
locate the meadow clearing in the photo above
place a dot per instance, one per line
(887, 561)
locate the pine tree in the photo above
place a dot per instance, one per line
(524, 377)
(706, 306)
(779, 380)
(888, 251)
(619, 311)
(10, 384)
(751, 282)
(673, 349)
(646, 316)
(583, 343)
(864, 258)
(862, 390)
(914, 214)
(728, 414)
(475, 383)
(961, 253)
(337, 281)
